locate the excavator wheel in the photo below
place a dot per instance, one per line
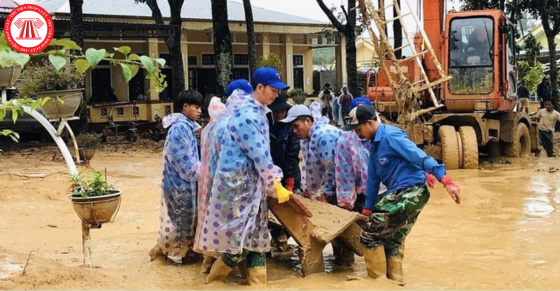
(470, 147)
(449, 147)
(521, 145)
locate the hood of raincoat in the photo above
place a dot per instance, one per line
(216, 108)
(173, 118)
(239, 99)
(318, 118)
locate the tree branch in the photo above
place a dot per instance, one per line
(331, 16)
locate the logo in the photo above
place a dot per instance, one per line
(29, 29)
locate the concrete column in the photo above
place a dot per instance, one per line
(152, 51)
(341, 71)
(265, 44)
(288, 52)
(185, 52)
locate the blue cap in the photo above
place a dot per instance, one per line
(359, 101)
(270, 77)
(241, 84)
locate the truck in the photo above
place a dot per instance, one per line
(463, 98)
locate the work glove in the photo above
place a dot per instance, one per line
(290, 184)
(452, 188)
(431, 180)
(366, 212)
(282, 194)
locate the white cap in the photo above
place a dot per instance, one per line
(295, 112)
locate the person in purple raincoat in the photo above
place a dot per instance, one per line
(236, 217)
(179, 185)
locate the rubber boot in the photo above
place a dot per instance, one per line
(207, 263)
(394, 269)
(242, 266)
(256, 276)
(376, 264)
(218, 272)
(401, 250)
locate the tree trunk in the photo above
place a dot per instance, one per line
(173, 43)
(252, 51)
(222, 45)
(553, 68)
(76, 20)
(351, 67)
(397, 33)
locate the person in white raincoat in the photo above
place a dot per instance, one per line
(236, 217)
(179, 184)
(209, 150)
(318, 140)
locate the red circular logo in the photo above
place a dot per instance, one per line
(29, 29)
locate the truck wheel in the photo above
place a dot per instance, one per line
(520, 147)
(470, 147)
(449, 147)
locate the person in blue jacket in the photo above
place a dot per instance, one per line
(399, 164)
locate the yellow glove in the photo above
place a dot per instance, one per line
(282, 194)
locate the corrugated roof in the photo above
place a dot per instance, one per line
(192, 9)
(6, 6)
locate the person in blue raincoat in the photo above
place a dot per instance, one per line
(236, 217)
(179, 184)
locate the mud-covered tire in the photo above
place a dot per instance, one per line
(470, 147)
(521, 145)
(449, 147)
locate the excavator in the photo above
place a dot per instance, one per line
(455, 94)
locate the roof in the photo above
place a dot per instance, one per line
(192, 9)
(6, 6)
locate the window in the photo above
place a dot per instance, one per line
(208, 59)
(103, 112)
(240, 60)
(167, 109)
(120, 111)
(241, 73)
(471, 55)
(100, 85)
(135, 111)
(136, 86)
(192, 61)
(298, 60)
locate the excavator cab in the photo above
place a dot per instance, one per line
(481, 61)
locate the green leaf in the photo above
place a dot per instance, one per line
(19, 58)
(6, 132)
(161, 62)
(14, 115)
(134, 70)
(81, 65)
(124, 49)
(5, 59)
(133, 57)
(94, 56)
(126, 72)
(4, 43)
(148, 64)
(67, 44)
(57, 61)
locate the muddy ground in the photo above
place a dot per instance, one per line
(504, 236)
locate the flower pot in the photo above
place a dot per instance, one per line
(55, 109)
(300, 99)
(9, 76)
(97, 209)
(86, 154)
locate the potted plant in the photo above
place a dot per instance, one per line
(44, 80)
(87, 145)
(95, 201)
(297, 95)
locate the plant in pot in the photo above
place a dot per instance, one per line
(87, 145)
(297, 95)
(94, 200)
(44, 80)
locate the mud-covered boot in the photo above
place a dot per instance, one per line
(156, 252)
(376, 265)
(395, 270)
(218, 272)
(256, 276)
(207, 264)
(401, 250)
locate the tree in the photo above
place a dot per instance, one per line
(549, 13)
(251, 47)
(222, 45)
(483, 4)
(76, 20)
(348, 30)
(173, 42)
(532, 48)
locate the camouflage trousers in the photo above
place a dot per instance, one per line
(253, 259)
(393, 217)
